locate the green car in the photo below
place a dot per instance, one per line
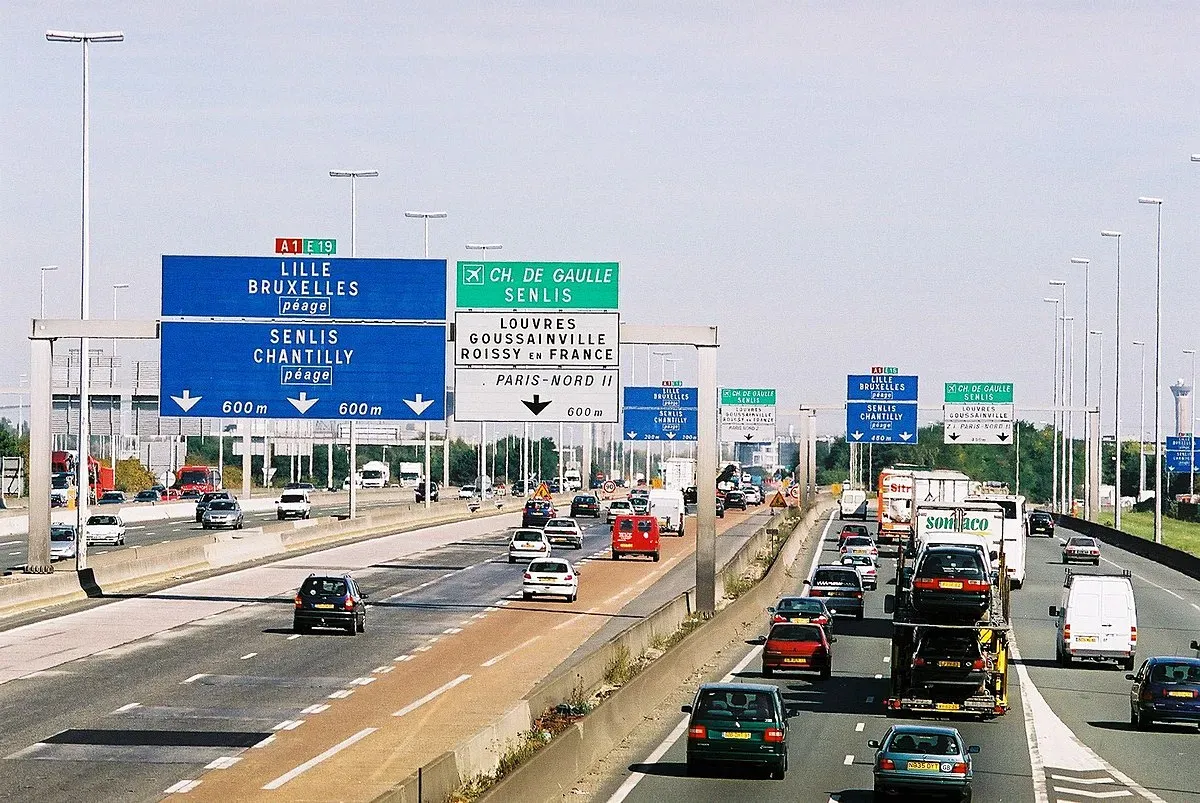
(742, 723)
(927, 758)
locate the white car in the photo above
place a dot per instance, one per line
(293, 504)
(527, 544)
(62, 541)
(565, 531)
(754, 494)
(551, 577)
(105, 528)
(467, 492)
(858, 545)
(618, 507)
(867, 569)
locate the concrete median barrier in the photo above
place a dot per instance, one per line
(1177, 559)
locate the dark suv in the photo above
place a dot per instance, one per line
(419, 493)
(840, 587)
(1041, 523)
(537, 512)
(330, 601)
(735, 499)
(585, 505)
(202, 505)
(951, 580)
(948, 658)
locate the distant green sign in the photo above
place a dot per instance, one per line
(537, 285)
(980, 392)
(747, 396)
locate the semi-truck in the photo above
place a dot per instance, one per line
(1015, 531)
(374, 474)
(411, 474)
(894, 499)
(679, 473)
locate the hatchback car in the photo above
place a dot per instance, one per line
(798, 648)
(585, 505)
(148, 496)
(62, 541)
(922, 758)
(640, 505)
(801, 611)
(948, 659)
(565, 531)
(468, 492)
(849, 530)
(550, 577)
(867, 569)
(527, 544)
(1081, 548)
(223, 513)
(742, 723)
(858, 545)
(840, 586)
(537, 512)
(113, 498)
(105, 529)
(1041, 523)
(951, 580)
(753, 494)
(618, 507)
(206, 500)
(1165, 689)
(735, 499)
(330, 601)
(419, 492)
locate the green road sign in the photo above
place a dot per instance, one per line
(747, 396)
(982, 392)
(537, 285)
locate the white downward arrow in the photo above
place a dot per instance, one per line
(905, 436)
(671, 435)
(856, 435)
(303, 404)
(418, 405)
(631, 435)
(187, 400)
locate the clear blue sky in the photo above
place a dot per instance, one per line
(833, 185)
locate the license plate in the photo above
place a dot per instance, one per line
(735, 735)
(947, 706)
(1085, 639)
(547, 579)
(800, 619)
(1186, 694)
(323, 606)
(954, 664)
(954, 585)
(923, 766)
(795, 660)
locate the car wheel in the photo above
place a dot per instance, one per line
(767, 671)
(362, 624)
(204, 526)
(826, 672)
(579, 544)
(965, 796)
(693, 768)
(656, 557)
(880, 791)
(1133, 716)
(299, 628)
(1061, 656)
(511, 559)
(616, 556)
(573, 597)
(859, 615)
(1128, 663)
(240, 525)
(779, 770)
(279, 516)
(351, 627)
(1096, 562)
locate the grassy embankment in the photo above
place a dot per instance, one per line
(1183, 535)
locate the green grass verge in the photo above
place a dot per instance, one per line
(1184, 535)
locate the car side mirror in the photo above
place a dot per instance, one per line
(1054, 610)
(873, 743)
(973, 748)
(1195, 645)
(760, 640)
(771, 609)
(1130, 676)
(807, 582)
(994, 555)
(364, 595)
(833, 639)
(687, 709)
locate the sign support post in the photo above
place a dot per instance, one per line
(706, 480)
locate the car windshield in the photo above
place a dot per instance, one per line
(585, 500)
(62, 534)
(145, 494)
(960, 563)
(619, 503)
(858, 540)
(537, 507)
(113, 495)
(324, 587)
(645, 526)
(858, 560)
(855, 529)
(223, 504)
(917, 743)
(567, 523)
(734, 495)
(1040, 517)
(102, 520)
(835, 577)
(548, 566)
(795, 633)
(802, 604)
(746, 706)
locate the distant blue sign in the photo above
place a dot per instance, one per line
(881, 422)
(304, 288)
(1180, 455)
(881, 387)
(303, 370)
(660, 414)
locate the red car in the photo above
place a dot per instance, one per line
(852, 529)
(798, 648)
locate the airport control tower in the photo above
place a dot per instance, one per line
(1183, 407)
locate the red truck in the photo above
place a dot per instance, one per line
(195, 481)
(100, 477)
(635, 535)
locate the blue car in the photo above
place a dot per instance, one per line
(1165, 689)
(925, 758)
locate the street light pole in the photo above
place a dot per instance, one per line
(1064, 429)
(1192, 428)
(1117, 388)
(1157, 203)
(83, 474)
(42, 306)
(354, 176)
(485, 247)
(1142, 425)
(1087, 423)
(1087, 381)
(1054, 484)
(425, 217)
(1069, 324)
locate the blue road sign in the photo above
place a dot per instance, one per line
(304, 288)
(660, 414)
(881, 387)
(392, 372)
(1180, 454)
(881, 422)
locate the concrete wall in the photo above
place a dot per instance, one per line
(1177, 559)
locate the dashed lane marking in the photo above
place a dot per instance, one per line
(403, 658)
(503, 655)
(315, 709)
(127, 707)
(859, 727)
(222, 763)
(293, 637)
(445, 687)
(848, 761)
(382, 670)
(288, 725)
(340, 694)
(450, 631)
(194, 678)
(362, 681)
(248, 655)
(312, 762)
(180, 788)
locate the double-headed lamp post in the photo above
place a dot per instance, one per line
(1157, 203)
(1054, 415)
(83, 474)
(1117, 386)
(485, 247)
(425, 217)
(1192, 428)
(42, 305)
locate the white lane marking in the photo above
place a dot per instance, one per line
(180, 788)
(288, 725)
(8, 543)
(312, 762)
(568, 622)
(362, 681)
(490, 609)
(266, 741)
(1084, 781)
(222, 763)
(18, 552)
(450, 631)
(445, 687)
(403, 658)
(433, 639)
(1197, 607)
(315, 709)
(248, 655)
(1066, 790)
(503, 602)
(887, 659)
(503, 655)
(859, 727)
(848, 761)
(340, 694)
(293, 637)
(127, 707)
(1143, 579)
(425, 648)
(479, 615)
(382, 670)
(194, 678)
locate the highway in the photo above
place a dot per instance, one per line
(832, 721)
(169, 691)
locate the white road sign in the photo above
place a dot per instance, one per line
(978, 412)
(978, 423)
(550, 339)
(748, 423)
(548, 395)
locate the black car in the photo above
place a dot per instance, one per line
(735, 499)
(690, 495)
(948, 659)
(113, 498)
(1041, 523)
(585, 505)
(1165, 689)
(536, 513)
(330, 601)
(720, 508)
(419, 493)
(202, 505)
(148, 496)
(951, 580)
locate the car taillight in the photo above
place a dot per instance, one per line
(779, 618)
(918, 661)
(858, 594)
(816, 592)
(570, 577)
(299, 601)
(887, 764)
(976, 585)
(348, 604)
(773, 735)
(925, 584)
(1066, 632)
(960, 769)
(697, 732)
(528, 576)
(978, 664)
(1133, 634)
(1148, 695)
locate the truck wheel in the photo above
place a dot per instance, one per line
(279, 516)
(616, 556)
(1061, 656)
(1128, 663)
(656, 557)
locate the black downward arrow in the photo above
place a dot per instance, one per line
(1003, 436)
(953, 436)
(537, 405)
(749, 435)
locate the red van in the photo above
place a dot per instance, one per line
(635, 535)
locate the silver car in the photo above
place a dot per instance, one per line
(223, 513)
(62, 541)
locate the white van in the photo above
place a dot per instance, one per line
(1097, 620)
(666, 504)
(854, 504)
